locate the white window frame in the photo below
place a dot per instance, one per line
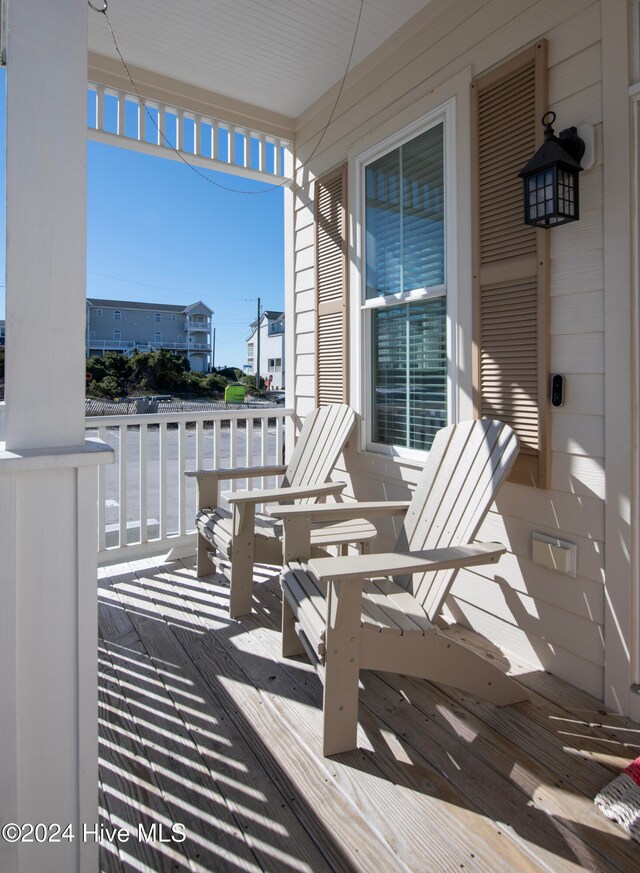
(451, 104)
(117, 315)
(158, 318)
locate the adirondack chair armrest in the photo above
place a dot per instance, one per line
(237, 472)
(398, 563)
(321, 512)
(208, 481)
(273, 495)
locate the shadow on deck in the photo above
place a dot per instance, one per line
(210, 753)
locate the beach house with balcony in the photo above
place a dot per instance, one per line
(120, 326)
(415, 292)
(272, 348)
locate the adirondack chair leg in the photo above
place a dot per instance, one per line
(204, 565)
(208, 493)
(342, 668)
(242, 553)
(291, 644)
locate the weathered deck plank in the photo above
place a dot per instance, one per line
(261, 809)
(161, 703)
(226, 670)
(224, 735)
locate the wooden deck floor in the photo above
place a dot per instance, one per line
(202, 724)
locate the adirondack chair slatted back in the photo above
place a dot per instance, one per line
(323, 437)
(467, 464)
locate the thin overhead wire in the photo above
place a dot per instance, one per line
(164, 288)
(104, 11)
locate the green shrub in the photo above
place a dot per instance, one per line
(231, 374)
(108, 387)
(215, 384)
(250, 382)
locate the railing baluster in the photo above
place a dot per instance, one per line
(277, 160)
(179, 130)
(142, 121)
(144, 531)
(232, 144)
(100, 107)
(199, 445)
(102, 497)
(279, 441)
(249, 449)
(214, 140)
(264, 460)
(217, 438)
(148, 131)
(162, 125)
(122, 112)
(182, 440)
(118, 489)
(122, 483)
(162, 460)
(233, 450)
(246, 162)
(197, 135)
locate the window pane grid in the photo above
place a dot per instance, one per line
(409, 373)
(405, 217)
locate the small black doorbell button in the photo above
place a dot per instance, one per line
(557, 390)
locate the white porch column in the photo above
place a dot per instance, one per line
(48, 670)
(46, 218)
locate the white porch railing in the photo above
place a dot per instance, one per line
(145, 503)
(206, 142)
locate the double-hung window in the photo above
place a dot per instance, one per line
(405, 287)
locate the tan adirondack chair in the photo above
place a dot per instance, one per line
(378, 611)
(242, 536)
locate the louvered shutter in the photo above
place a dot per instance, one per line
(331, 287)
(511, 261)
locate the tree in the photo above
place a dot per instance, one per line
(160, 370)
(119, 367)
(166, 370)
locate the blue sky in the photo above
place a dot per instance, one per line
(157, 232)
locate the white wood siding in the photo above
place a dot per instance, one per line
(541, 617)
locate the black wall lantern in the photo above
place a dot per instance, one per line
(550, 179)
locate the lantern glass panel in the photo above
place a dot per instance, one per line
(540, 194)
(566, 193)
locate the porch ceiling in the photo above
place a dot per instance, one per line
(280, 55)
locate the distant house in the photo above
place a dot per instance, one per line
(271, 348)
(120, 326)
